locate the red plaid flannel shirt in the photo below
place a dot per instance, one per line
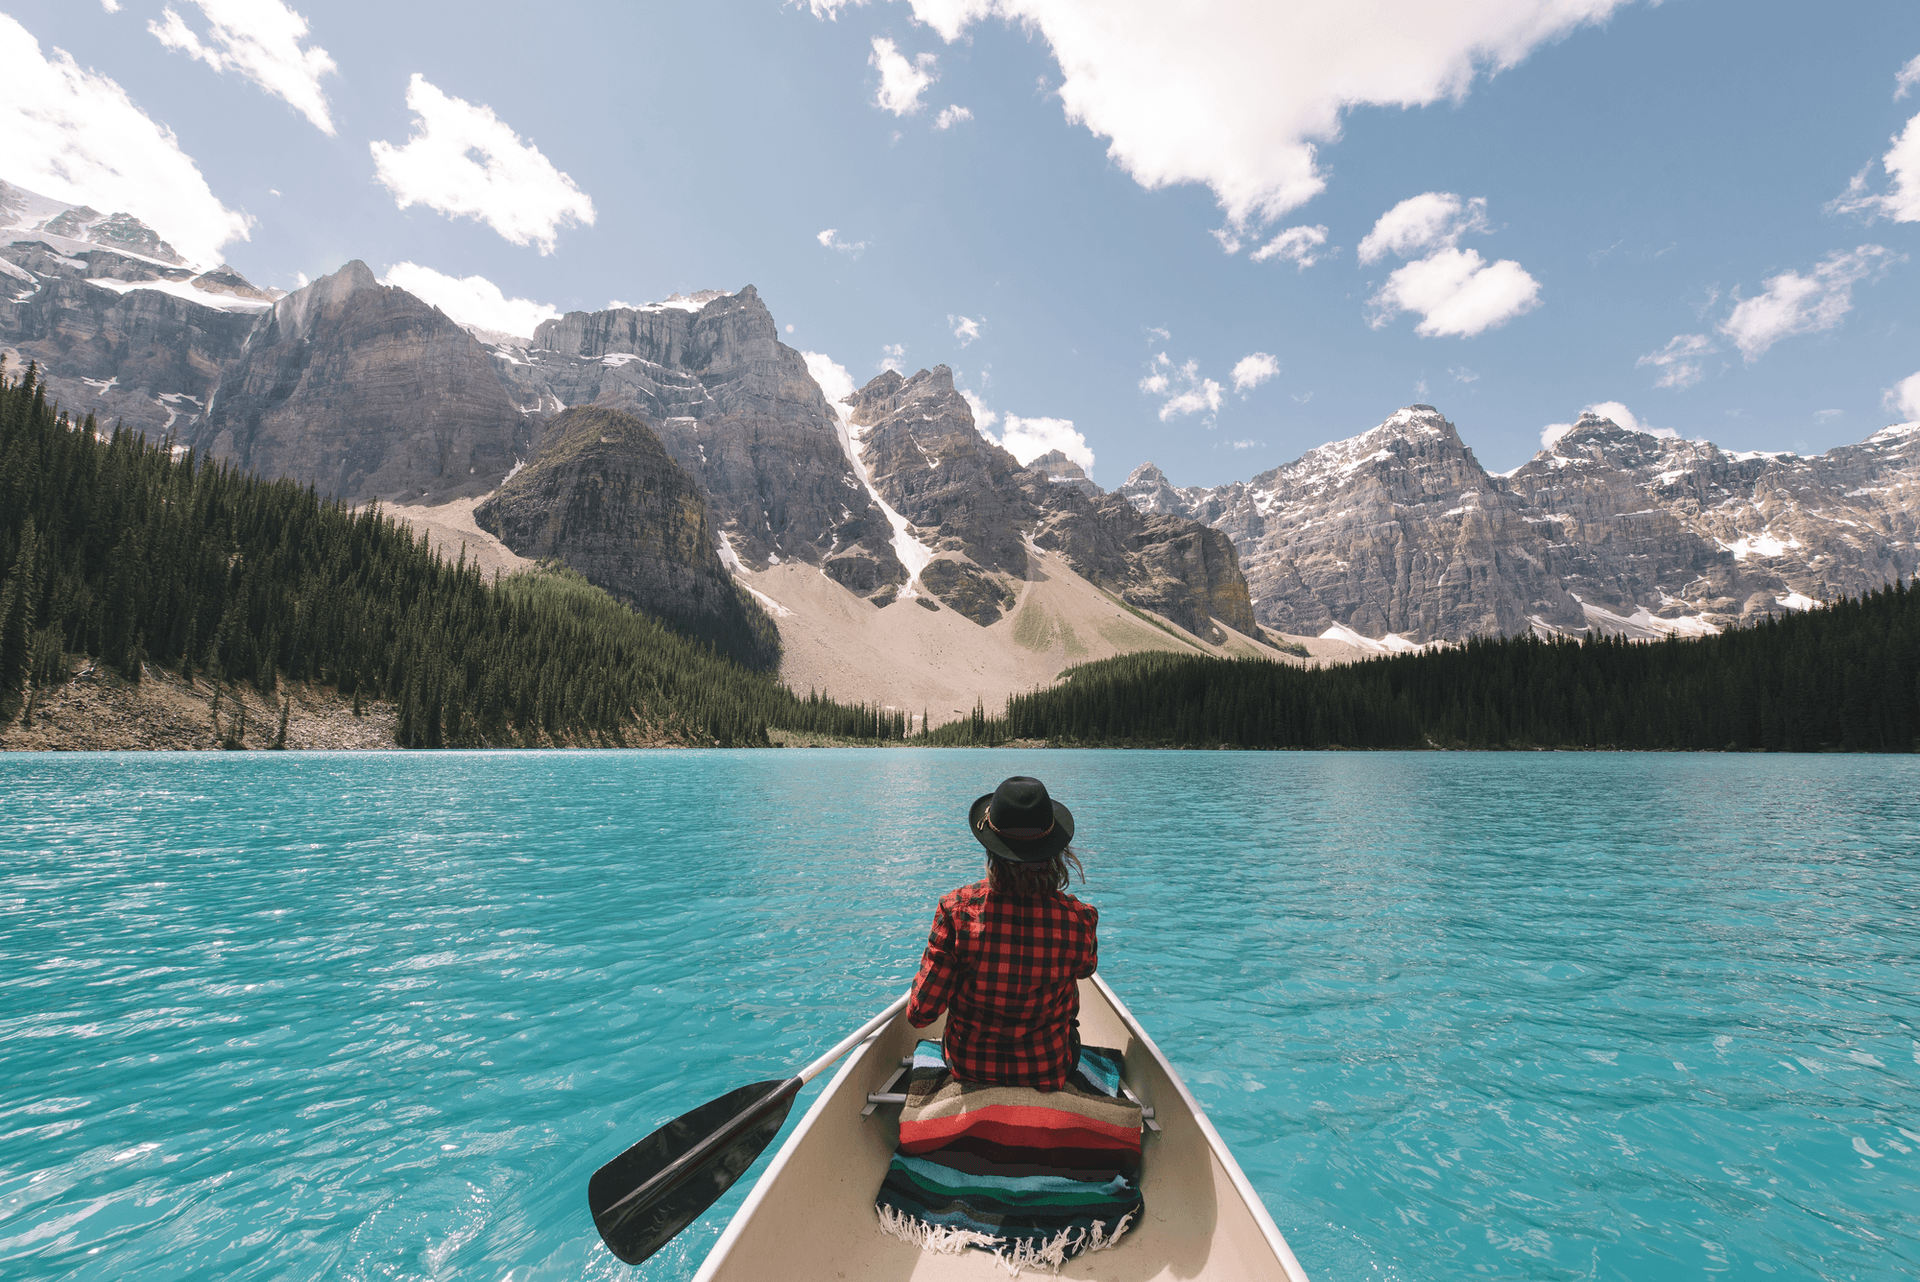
(1004, 969)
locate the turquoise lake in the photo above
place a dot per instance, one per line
(380, 1016)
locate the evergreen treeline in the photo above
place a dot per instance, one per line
(116, 550)
(1846, 678)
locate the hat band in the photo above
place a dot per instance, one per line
(1016, 834)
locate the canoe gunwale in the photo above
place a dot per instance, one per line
(1256, 1207)
(857, 1065)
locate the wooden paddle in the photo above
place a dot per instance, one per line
(642, 1198)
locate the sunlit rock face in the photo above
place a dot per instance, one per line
(366, 392)
(1400, 531)
(975, 505)
(604, 497)
(737, 409)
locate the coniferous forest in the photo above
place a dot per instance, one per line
(1842, 678)
(114, 550)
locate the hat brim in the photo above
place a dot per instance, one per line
(1037, 851)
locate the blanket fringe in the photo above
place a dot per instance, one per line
(1016, 1257)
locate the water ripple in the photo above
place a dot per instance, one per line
(381, 1015)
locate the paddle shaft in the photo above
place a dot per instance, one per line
(780, 1097)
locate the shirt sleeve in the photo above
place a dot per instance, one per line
(1092, 962)
(939, 973)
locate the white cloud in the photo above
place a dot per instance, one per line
(1028, 438)
(832, 376)
(1904, 398)
(894, 356)
(516, 191)
(1457, 293)
(901, 82)
(1431, 220)
(1909, 77)
(111, 6)
(260, 39)
(1190, 392)
(1681, 361)
(1463, 375)
(951, 116)
(1902, 163)
(830, 239)
(1626, 418)
(1299, 245)
(1248, 444)
(471, 300)
(1796, 304)
(983, 418)
(1237, 94)
(1253, 370)
(1229, 239)
(74, 135)
(1620, 415)
(965, 328)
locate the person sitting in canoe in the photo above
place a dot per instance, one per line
(1005, 953)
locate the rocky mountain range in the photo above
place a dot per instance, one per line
(725, 458)
(1398, 535)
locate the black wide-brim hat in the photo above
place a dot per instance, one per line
(1018, 821)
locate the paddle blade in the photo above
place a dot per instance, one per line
(735, 1127)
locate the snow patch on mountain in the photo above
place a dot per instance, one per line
(838, 386)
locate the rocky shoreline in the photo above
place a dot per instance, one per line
(98, 710)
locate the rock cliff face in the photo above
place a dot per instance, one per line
(975, 507)
(1400, 531)
(737, 409)
(366, 392)
(604, 497)
(120, 326)
(1684, 528)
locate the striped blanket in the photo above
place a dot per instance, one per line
(1036, 1177)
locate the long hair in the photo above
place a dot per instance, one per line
(1005, 877)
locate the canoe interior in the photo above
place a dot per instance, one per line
(811, 1215)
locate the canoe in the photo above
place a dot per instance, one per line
(811, 1214)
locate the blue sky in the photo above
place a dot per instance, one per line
(1694, 210)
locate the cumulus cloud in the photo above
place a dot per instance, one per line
(1904, 397)
(1431, 220)
(1796, 304)
(1904, 82)
(471, 300)
(1297, 245)
(1186, 391)
(260, 39)
(830, 239)
(893, 356)
(965, 328)
(832, 376)
(983, 418)
(1901, 202)
(901, 82)
(465, 162)
(1457, 293)
(1614, 410)
(74, 135)
(1253, 370)
(1238, 94)
(951, 116)
(111, 6)
(1682, 361)
(1028, 438)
